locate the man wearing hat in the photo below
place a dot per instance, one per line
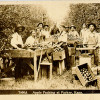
(16, 40)
(92, 39)
(73, 31)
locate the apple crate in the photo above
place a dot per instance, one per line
(85, 75)
(86, 59)
(59, 55)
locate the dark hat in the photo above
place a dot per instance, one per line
(92, 24)
(72, 26)
(46, 25)
(40, 24)
(19, 26)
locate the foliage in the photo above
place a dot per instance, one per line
(83, 13)
(26, 15)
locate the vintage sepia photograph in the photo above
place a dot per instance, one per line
(49, 47)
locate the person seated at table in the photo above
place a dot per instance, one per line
(31, 39)
(73, 31)
(16, 41)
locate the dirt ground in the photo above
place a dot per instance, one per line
(64, 81)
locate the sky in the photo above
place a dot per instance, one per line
(57, 10)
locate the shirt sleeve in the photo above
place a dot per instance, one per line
(27, 41)
(13, 43)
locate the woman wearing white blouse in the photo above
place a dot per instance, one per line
(31, 39)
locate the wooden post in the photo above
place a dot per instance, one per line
(18, 69)
(35, 66)
(60, 67)
(63, 65)
(51, 71)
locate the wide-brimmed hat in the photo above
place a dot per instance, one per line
(91, 24)
(66, 26)
(73, 26)
(19, 26)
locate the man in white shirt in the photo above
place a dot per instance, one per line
(16, 40)
(92, 39)
(73, 32)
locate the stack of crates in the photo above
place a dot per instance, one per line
(59, 57)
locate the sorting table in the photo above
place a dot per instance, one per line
(26, 55)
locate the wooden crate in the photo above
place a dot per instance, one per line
(98, 81)
(86, 59)
(94, 70)
(71, 51)
(82, 79)
(59, 55)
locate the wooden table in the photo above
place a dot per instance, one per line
(26, 55)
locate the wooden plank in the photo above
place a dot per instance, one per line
(85, 48)
(30, 65)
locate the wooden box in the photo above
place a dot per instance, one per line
(71, 51)
(86, 59)
(59, 55)
(82, 78)
(94, 70)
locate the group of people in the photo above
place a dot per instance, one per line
(42, 33)
(36, 36)
(88, 34)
